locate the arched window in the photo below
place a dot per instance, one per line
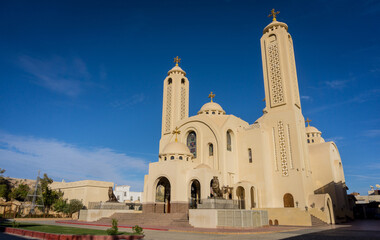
(229, 147)
(183, 81)
(172, 158)
(170, 81)
(288, 200)
(192, 143)
(180, 157)
(211, 149)
(250, 155)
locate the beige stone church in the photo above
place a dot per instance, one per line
(275, 163)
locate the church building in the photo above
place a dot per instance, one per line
(275, 163)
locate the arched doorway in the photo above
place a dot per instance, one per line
(240, 193)
(288, 200)
(253, 204)
(195, 193)
(163, 193)
(329, 211)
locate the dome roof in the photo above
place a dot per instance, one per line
(175, 69)
(311, 129)
(211, 106)
(176, 148)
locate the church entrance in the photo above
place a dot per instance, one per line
(195, 194)
(163, 194)
(240, 193)
(288, 200)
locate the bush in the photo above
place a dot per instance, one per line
(114, 229)
(137, 230)
(15, 224)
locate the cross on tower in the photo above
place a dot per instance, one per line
(176, 132)
(177, 60)
(211, 95)
(308, 122)
(274, 13)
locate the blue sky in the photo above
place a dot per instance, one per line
(81, 81)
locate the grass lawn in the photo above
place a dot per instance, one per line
(60, 229)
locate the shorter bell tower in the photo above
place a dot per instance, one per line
(175, 106)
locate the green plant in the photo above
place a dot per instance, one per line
(114, 229)
(137, 230)
(15, 224)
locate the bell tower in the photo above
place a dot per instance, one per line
(175, 105)
(279, 67)
(289, 161)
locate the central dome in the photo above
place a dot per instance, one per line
(212, 108)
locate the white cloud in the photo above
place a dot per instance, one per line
(22, 157)
(307, 98)
(57, 74)
(334, 139)
(133, 100)
(337, 84)
(372, 133)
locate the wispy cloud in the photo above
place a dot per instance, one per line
(361, 98)
(133, 100)
(334, 139)
(22, 157)
(307, 98)
(372, 133)
(337, 84)
(57, 74)
(364, 177)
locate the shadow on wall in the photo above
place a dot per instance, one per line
(342, 205)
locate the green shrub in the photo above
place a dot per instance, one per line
(137, 230)
(114, 230)
(15, 224)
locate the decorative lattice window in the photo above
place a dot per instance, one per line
(249, 155)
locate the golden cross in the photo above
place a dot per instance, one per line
(211, 95)
(274, 13)
(177, 60)
(308, 122)
(176, 132)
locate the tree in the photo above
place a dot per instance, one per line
(20, 192)
(49, 196)
(5, 186)
(74, 206)
(61, 206)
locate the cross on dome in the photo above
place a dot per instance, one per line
(308, 122)
(176, 131)
(274, 13)
(211, 95)
(177, 60)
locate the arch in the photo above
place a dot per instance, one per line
(195, 193)
(163, 192)
(170, 81)
(253, 204)
(182, 81)
(210, 149)
(288, 200)
(192, 143)
(229, 140)
(240, 193)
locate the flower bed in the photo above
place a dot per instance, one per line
(53, 236)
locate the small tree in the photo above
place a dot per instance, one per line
(20, 192)
(114, 229)
(5, 186)
(49, 196)
(74, 206)
(61, 206)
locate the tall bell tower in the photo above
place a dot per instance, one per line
(175, 105)
(283, 117)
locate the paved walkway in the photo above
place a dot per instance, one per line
(360, 230)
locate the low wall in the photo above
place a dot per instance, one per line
(214, 218)
(91, 215)
(288, 216)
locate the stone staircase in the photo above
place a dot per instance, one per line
(316, 222)
(179, 220)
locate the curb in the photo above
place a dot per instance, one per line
(53, 236)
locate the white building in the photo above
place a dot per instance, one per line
(123, 194)
(276, 163)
